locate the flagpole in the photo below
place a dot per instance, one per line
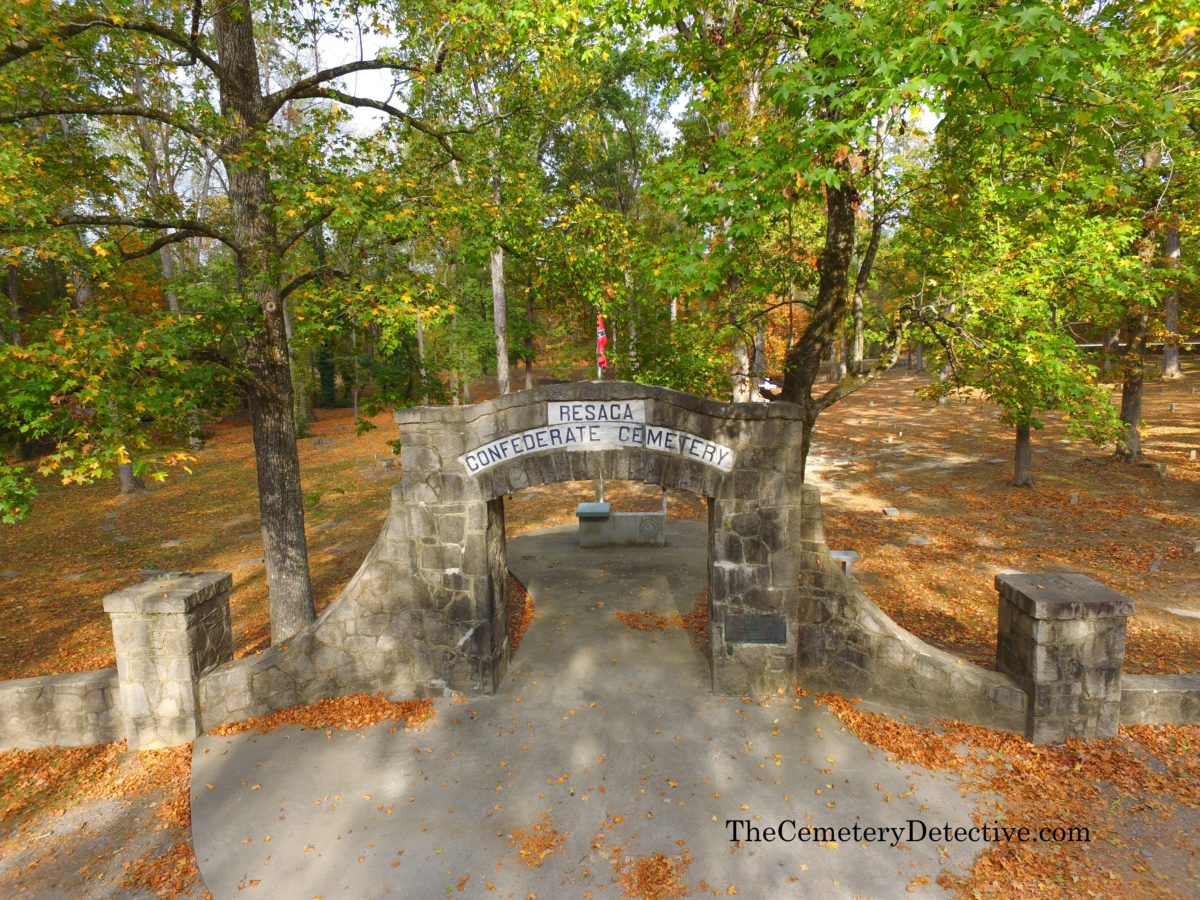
(600, 377)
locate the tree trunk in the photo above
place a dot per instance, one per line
(499, 304)
(270, 395)
(1023, 461)
(802, 363)
(168, 270)
(758, 357)
(12, 290)
(530, 350)
(421, 373)
(1171, 364)
(326, 377)
(860, 290)
(280, 501)
(154, 190)
(742, 390)
(1110, 350)
(633, 330)
(130, 483)
(1132, 384)
(500, 318)
(1132, 388)
(920, 362)
(81, 290)
(354, 374)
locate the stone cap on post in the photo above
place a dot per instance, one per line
(1062, 596)
(172, 592)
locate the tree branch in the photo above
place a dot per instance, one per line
(151, 249)
(327, 93)
(304, 86)
(70, 28)
(304, 229)
(198, 229)
(311, 275)
(889, 353)
(95, 109)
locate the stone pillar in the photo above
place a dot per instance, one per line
(1062, 638)
(167, 632)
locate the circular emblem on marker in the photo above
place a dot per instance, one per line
(648, 527)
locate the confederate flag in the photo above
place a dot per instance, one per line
(601, 342)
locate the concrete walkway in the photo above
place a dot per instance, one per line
(604, 745)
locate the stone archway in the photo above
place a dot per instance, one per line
(426, 610)
(459, 463)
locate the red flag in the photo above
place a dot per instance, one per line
(601, 342)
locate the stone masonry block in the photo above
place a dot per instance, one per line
(168, 631)
(1061, 637)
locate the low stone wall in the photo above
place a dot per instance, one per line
(367, 640)
(1160, 699)
(849, 645)
(72, 710)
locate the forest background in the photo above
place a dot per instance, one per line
(213, 206)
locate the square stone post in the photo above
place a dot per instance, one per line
(1062, 638)
(168, 631)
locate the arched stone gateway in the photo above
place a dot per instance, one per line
(459, 463)
(426, 611)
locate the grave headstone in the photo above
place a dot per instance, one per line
(891, 512)
(1074, 499)
(166, 544)
(918, 540)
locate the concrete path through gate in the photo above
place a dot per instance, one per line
(604, 745)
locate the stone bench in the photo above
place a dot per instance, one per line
(599, 526)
